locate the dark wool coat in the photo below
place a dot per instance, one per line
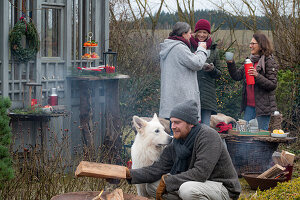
(207, 81)
(264, 88)
(210, 160)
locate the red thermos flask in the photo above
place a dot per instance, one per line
(249, 79)
(53, 98)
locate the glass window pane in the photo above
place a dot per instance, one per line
(51, 32)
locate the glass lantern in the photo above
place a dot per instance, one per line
(110, 61)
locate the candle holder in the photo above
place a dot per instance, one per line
(32, 95)
(110, 61)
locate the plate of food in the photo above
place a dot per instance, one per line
(279, 133)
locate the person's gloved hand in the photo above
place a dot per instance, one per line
(208, 67)
(161, 189)
(128, 174)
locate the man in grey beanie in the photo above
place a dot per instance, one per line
(196, 165)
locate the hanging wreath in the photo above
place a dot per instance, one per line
(28, 29)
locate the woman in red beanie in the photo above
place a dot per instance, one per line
(210, 71)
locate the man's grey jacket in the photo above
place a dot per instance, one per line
(210, 160)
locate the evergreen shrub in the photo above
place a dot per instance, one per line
(6, 170)
(283, 191)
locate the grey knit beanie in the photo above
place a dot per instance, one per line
(186, 111)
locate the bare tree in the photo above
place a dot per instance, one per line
(283, 18)
(186, 11)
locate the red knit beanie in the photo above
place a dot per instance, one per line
(202, 24)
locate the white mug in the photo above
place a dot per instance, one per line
(47, 109)
(229, 56)
(202, 43)
(208, 53)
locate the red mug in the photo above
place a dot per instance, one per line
(249, 79)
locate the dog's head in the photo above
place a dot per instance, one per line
(153, 131)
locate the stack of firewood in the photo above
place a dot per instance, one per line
(278, 171)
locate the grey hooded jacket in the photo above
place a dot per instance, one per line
(179, 68)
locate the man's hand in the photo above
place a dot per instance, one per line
(208, 67)
(161, 189)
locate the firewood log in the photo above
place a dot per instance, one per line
(272, 172)
(117, 194)
(100, 170)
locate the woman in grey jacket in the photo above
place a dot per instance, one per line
(179, 68)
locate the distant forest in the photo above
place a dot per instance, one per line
(216, 18)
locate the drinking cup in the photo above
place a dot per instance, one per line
(202, 44)
(229, 56)
(208, 53)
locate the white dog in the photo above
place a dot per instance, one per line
(149, 142)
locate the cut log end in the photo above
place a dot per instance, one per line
(100, 170)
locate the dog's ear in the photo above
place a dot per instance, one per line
(139, 123)
(155, 117)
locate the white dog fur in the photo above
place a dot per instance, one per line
(149, 142)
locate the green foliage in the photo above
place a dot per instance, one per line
(285, 91)
(228, 95)
(24, 54)
(6, 171)
(283, 191)
(228, 91)
(287, 96)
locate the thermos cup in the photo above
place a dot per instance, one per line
(53, 98)
(249, 79)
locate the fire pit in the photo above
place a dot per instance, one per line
(85, 195)
(261, 183)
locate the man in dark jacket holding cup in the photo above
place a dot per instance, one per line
(195, 165)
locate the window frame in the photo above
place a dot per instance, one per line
(60, 35)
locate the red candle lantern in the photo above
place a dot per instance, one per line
(110, 61)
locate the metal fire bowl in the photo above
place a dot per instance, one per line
(90, 195)
(261, 183)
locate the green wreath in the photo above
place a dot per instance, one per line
(28, 29)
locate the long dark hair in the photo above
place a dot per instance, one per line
(264, 43)
(180, 28)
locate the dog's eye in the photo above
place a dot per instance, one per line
(156, 131)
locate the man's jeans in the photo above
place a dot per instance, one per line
(263, 120)
(193, 190)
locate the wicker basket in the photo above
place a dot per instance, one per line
(250, 155)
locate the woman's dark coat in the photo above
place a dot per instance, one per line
(264, 88)
(207, 81)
